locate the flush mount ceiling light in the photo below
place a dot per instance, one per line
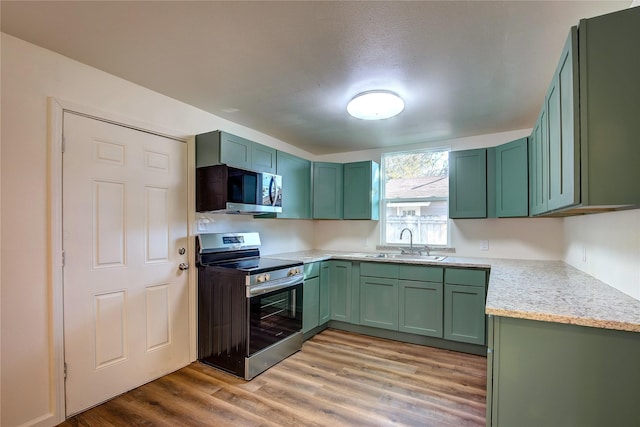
(375, 105)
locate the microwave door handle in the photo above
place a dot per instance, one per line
(272, 190)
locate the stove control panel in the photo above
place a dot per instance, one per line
(288, 273)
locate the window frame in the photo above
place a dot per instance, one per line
(384, 200)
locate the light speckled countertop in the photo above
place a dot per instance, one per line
(549, 291)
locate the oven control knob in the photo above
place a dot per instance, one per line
(261, 278)
(267, 277)
(297, 270)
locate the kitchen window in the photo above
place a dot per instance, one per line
(415, 195)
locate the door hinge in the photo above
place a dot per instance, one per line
(64, 258)
(65, 370)
(63, 144)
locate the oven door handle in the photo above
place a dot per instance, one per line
(274, 285)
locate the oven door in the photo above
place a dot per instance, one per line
(273, 316)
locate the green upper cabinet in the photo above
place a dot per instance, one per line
(468, 184)
(296, 186)
(511, 179)
(217, 147)
(490, 182)
(327, 190)
(235, 151)
(609, 105)
(263, 158)
(589, 127)
(362, 190)
(562, 118)
(539, 166)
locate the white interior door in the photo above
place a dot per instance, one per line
(124, 227)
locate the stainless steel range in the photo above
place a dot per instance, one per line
(249, 307)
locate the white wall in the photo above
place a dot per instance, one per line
(276, 235)
(29, 75)
(516, 238)
(606, 246)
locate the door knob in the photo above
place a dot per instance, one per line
(183, 266)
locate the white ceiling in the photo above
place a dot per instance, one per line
(288, 69)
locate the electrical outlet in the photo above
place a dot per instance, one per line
(484, 245)
(202, 224)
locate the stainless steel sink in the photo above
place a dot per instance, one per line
(416, 257)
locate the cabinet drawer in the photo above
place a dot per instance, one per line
(462, 276)
(379, 269)
(421, 273)
(311, 270)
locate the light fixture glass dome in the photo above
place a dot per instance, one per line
(375, 105)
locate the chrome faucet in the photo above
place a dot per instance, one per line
(410, 240)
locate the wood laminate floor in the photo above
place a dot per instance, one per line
(338, 379)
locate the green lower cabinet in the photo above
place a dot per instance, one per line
(325, 292)
(310, 304)
(558, 375)
(379, 302)
(340, 274)
(420, 308)
(464, 318)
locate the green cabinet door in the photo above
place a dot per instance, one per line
(341, 290)
(296, 186)
(263, 158)
(236, 151)
(491, 183)
(217, 147)
(512, 180)
(558, 375)
(464, 318)
(420, 307)
(468, 184)
(310, 304)
(539, 166)
(361, 190)
(562, 112)
(327, 190)
(325, 292)
(379, 302)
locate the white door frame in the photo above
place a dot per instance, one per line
(56, 109)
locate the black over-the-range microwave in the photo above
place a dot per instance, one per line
(225, 189)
